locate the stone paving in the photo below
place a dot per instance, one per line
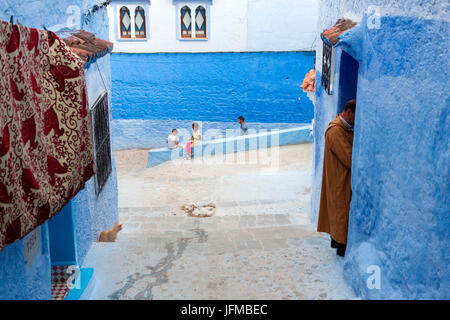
(259, 245)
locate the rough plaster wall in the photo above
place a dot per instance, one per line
(331, 10)
(211, 86)
(400, 176)
(36, 13)
(17, 281)
(91, 214)
(282, 25)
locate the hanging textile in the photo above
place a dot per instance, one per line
(309, 83)
(46, 153)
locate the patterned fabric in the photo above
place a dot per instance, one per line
(60, 276)
(46, 153)
(59, 291)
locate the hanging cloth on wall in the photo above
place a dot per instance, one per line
(46, 152)
(309, 83)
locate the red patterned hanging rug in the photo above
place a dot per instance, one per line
(46, 152)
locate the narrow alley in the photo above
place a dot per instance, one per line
(224, 150)
(259, 244)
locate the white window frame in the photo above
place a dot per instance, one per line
(193, 6)
(132, 7)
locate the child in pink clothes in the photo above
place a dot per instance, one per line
(195, 139)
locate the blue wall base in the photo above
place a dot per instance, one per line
(234, 144)
(87, 284)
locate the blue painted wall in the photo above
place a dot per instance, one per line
(211, 86)
(91, 215)
(166, 91)
(19, 280)
(62, 238)
(399, 216)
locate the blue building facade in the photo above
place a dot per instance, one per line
(395, 62)
(25, 265)
(154, 93)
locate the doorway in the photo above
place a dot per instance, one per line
(348, 80)
(63, 255)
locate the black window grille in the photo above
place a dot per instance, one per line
(327, 63)
(102, 143)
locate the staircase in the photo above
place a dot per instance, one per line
(164, 254)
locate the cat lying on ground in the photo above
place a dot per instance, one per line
(110, 235)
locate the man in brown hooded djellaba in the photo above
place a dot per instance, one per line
(336, 189)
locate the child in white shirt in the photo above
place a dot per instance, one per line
(172, 140)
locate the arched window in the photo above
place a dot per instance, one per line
(139, 22)
(200, 22)
(186, 25)
(125, 23)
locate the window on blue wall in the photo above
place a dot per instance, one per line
(102, 144)
(125, 23)
(327, 67)
(186, 23)
(139, 23)
(200, 22)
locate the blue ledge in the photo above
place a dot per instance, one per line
(87, 283)
(235, 144)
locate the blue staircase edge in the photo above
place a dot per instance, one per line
(87, 284)
(290, 136)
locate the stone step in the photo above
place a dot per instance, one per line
(217, 241)
(229, 208)
(266, 231)
(216, 234)
(180, 221)
(186, 230)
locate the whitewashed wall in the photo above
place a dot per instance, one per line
(281, 25)
(233, 26)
